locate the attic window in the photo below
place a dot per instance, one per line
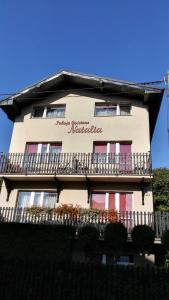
(55, 111)
(104, 110)
(110, 110)
(125, 109)
(38, 112)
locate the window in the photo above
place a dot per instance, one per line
(105, 110)
(124, 260)
(38, 112)
(118, 260)
(109, 110)
(39, 198)
(125, 110)
(43, 148)
(112, 200)
(55, 111)
(107, 152)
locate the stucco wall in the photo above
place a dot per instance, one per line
(134, 128)
(77, 194)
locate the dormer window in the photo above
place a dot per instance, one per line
(110, 110)
(53, 111)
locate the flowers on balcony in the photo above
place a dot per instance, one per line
(74, 212)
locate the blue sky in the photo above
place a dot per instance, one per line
(125, 40)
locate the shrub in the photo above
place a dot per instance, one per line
(143, 237)
(165, 239)
(88, 237)
(115, 235)
(36, 241)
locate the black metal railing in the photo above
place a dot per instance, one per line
(158, 221)
(76, 163)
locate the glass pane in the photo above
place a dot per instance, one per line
(24, 199)
(49, 199)
(44, 148)
(37, 199)
(98, 200)
(38, 112)
(55, 149)
(106, 110)
(55, 112)
(125, 110)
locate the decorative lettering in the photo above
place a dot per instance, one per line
(80, 127)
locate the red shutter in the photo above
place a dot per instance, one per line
(32, 148)
(125, 148)
(98, 200)
(112, 147)
(122, 202)
(125, 157)
(112, 201)
(100, 148)
(128, 202)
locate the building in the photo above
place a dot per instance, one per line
(81, 140)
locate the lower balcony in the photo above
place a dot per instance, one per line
(137, 164)
(158, 221)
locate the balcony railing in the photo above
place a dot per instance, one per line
(158, 221)
(76, 163)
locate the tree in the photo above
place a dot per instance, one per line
(161, 188)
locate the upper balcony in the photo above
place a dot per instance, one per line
(76, 164)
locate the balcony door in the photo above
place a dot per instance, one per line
(104, 152)
(116, 153)
(125, 158)
(41, 156)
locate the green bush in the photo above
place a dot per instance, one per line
(165, 239)
(88, 237)
(143, 237)
(36, 241)
(115, 235)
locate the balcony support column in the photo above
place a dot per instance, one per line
(8, 186)
(58, 187)
(88, 183)
(143, 190)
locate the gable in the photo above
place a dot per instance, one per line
(69, 82)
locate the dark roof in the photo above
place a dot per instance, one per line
(65, 80)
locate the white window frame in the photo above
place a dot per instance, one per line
(118, 109)
(32, 197)
(48, 146)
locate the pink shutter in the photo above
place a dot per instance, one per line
(98, 200)
(125, 148)
(112, 148)
(125, 157)
(32, 148)
(122, 202)
(128, 202)
(100, 148)
(112, 201)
